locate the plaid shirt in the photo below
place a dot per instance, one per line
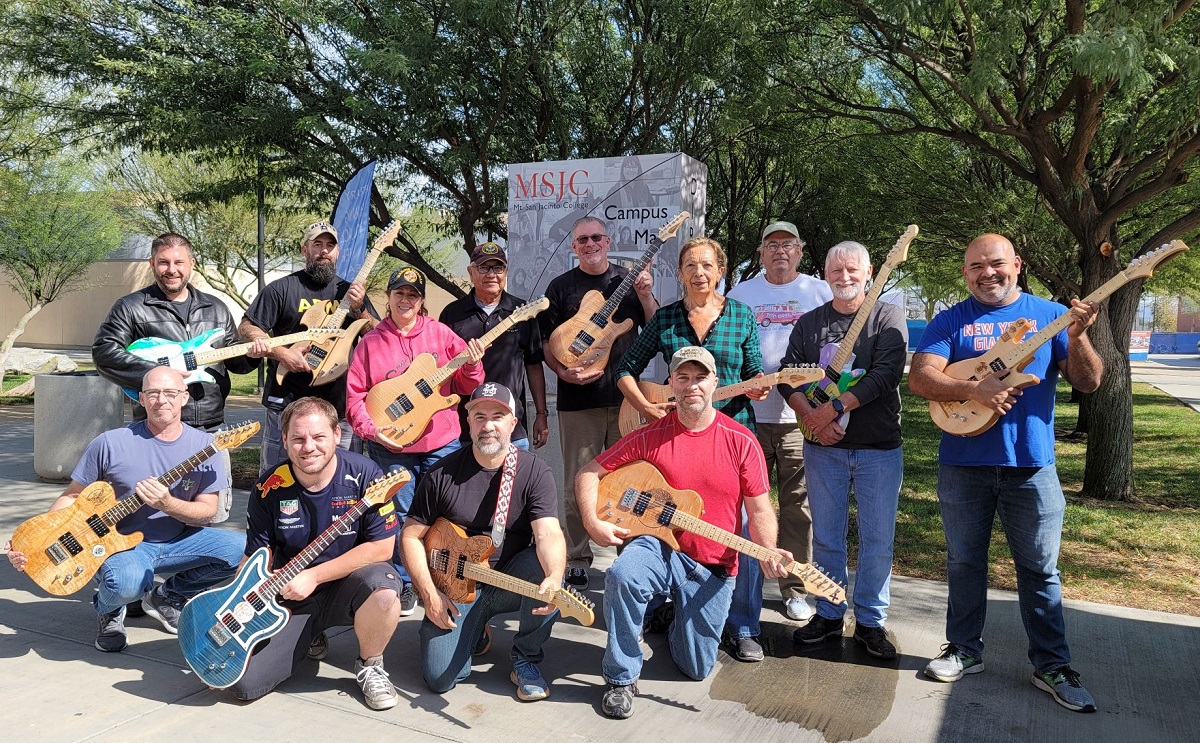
(732, 339)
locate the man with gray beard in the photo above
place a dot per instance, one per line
(464, 488)
(277, 311)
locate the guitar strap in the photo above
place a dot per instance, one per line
(504, 499)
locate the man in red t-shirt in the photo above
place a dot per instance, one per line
(694, 448)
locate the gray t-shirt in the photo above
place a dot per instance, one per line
(123, 457)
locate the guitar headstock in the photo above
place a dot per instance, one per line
(389, 235)
(530, 309)
(383, 488)
(233, 437)
(668, 230)
(1143, 267)
(817, 583)
(899, 251)
(794, 376)
(571, 603)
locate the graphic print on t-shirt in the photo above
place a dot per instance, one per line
(984, 335)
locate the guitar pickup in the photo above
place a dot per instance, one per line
(583, 342)
(398, 408)
(635, 500)
(98, 526)
(424, 388)
(316, 355)
(189, 360)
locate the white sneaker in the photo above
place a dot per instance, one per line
(797, 609)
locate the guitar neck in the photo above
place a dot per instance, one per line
(846, 347)
(204, 358)
(700, 527)
(611, 304)
(443, 372)
(339, 316)
(1027, 348)
(283, 576)
(733, 390)
(131, 503)
(495, 578)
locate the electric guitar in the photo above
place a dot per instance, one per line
(403, 406)
(219, 629)
(190, 357)
(457, 562)
(66, 547)
(586, 339)
(637, 498)
(330, 358)
(630, 418)
(838, 364)
(971, 418)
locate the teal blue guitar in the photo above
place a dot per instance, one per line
(190, 357)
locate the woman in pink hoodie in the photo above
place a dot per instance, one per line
(386, 352)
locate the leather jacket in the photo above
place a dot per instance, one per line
(148, 313)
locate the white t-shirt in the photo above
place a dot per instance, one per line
(776, 308)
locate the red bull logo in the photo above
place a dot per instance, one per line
(280, 478)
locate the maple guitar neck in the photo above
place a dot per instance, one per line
(204, 358)
(495, 578)
(1028, 347)
(487, 339)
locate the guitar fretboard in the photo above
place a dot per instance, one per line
(131, 503)
(1030, 345)
(280, 578)
(846, 347)
(205, 358)
(611, 304)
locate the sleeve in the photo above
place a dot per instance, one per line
(531, 343)
(938, 338)
(424, 508)
(645, 347)
(628, 449)
(466, 377)
(93, 462)
(108, 349)
(541, 497)
(1058, 345)
(238, 364)
(260, 523)
(379, 522)
(213, 473)
(265, 310)
(888, 356)
(358, 382)
(551, 318)
(751, 350)
(752, 476)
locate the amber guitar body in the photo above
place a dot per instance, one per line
(583, 325)
(329, 358)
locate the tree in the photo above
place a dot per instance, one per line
(51, 231)
(1093, 105)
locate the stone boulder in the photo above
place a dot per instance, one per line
(34, 361)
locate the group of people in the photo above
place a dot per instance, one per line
(475, 467)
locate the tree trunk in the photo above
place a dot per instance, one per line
(6, 346)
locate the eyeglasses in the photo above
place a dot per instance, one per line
(492, 268)
(785, 245)
(169, 395)
(583, 239)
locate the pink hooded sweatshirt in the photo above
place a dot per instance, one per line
(384, 353)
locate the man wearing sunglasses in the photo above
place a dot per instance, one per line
(515, 357)
(588, 398)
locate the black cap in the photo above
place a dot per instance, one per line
(407, 276)
(496, 392)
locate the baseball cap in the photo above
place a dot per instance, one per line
(407, 276)
(693, 353)
(488, 251)
(495, 392)
(787, 227)
(319, 228)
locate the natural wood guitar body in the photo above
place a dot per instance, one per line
(569, 343)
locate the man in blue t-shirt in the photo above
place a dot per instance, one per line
(1007, 469)
(131, 460)
(352, 582)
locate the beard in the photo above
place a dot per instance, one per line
(846, 293)
(490, 445)
(321, 272)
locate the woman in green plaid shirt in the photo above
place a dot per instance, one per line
(705, 318)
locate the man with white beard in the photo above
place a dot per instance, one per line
(464, 488)
(861, 453)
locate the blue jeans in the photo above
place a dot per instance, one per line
(446, 653)
(418, 463)
(745, 609)
(1030, 503)
(875, 476)
(648, 568)
(198, 559)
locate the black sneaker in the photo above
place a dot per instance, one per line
(818, 629)
(110, 637)
(659, 620)
(408, 601)
(319, 647)
(875, 641)
(158, 606)
(577, 577)
(618, 701)
(745, 649)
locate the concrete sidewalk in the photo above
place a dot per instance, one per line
(1140, 665)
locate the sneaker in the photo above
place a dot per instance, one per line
(110, 637)
(531, 686)
(797, 609)
(319, 647)
(408, 600)
(875, 641)
(1063, 684)
(818, 629)
(134, 609)
(618, 701)
(660, 618)
(484, 643)
(577, 577)
(377, 689)
(952, 664)
(745, 649)
(158, 606)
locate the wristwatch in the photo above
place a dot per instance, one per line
(838, 406)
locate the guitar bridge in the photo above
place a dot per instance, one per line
(64, 548)
(582, 343)
(439, 560)
(635, 500)
(399, 407)
(219, 635)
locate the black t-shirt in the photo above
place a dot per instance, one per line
(464, 493)
(565, 293)
(507, 357)
(277, 311)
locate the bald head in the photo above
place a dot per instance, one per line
(991, 267)
(163, 377)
